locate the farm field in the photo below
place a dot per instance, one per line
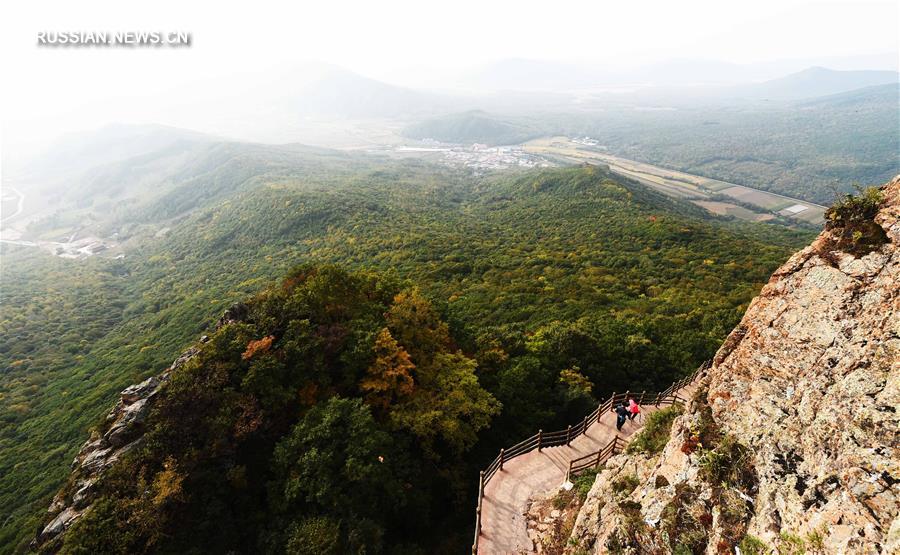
(711, 194)
(728, 209)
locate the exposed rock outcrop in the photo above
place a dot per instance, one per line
(122, 431)
(793, 440)
(550, 519)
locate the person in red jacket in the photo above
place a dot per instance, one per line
(633, 408)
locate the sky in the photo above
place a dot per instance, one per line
(241, 47)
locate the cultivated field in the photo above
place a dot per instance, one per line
(748, 203)
(728, 209)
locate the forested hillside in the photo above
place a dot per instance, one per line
(474, 126)
(555, 287)
(331, 417)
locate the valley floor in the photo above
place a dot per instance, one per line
(746, 203)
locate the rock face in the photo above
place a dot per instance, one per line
(793, 440)
(122, 432)
(550, 518)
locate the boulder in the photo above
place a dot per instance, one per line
(59, 524)
(140, 391)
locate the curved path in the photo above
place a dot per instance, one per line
(506, 495)
(19, 204)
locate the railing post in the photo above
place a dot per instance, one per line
(540, 438)
(584, 425)
(501, 458)
(641, 401)
(478, 512)
(569, 435)
(658, 398)
(612, 400)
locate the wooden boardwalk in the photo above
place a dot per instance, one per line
(506, 495)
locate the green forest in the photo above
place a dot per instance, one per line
(333, 419)
(399, 311)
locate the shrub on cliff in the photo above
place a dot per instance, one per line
(851, 221)
(655, 433)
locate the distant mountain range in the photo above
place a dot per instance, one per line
(874, 96)
(526, 86)
(520, 85)
(338, 92)
(72, 154)
(819, 81)
(540, 75)
(513, 87)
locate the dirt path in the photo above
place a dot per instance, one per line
(506, 496)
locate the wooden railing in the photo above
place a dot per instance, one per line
(594, 460)
(564, 437)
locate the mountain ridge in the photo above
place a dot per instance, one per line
(817, 82)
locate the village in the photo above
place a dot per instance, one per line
(479, 157)
(72, 248)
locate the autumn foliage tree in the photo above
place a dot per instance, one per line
(449, 409)
(389, 378)
(417, 326)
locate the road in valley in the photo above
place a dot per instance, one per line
(19, 204)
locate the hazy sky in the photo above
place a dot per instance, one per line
(401, 41)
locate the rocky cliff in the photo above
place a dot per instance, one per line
(121, 432)
(792, 442)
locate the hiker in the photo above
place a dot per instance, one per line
(633, 408)
(621, 415)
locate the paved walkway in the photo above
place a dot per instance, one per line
(506, 496)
